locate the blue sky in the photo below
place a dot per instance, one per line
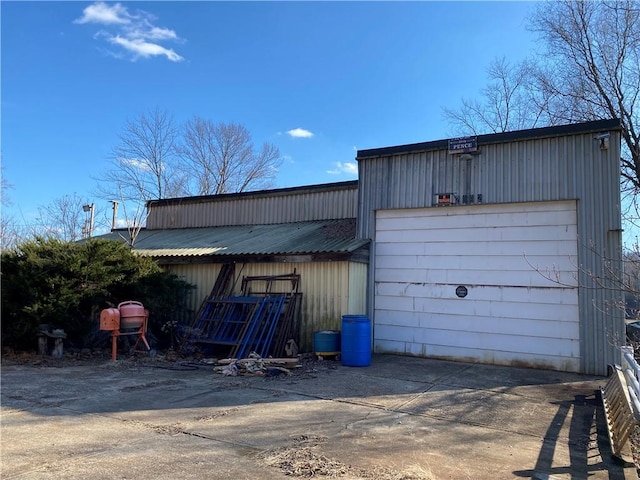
(318, 80)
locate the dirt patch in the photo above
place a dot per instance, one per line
(303, 458)
(74, 358)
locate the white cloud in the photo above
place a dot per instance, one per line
(103, 14)
(140, 48)
(349, 168)
(300, 133)
(135, 163)
(135, 32)
(158, 33)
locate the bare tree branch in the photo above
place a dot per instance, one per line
(590, 70)
(508, 102)
(143, 167)
(592, 62)
(221, 158)
(64, 218)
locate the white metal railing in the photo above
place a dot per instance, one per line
(620, 400)
(631, 371)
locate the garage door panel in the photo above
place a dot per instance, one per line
(450, 222)
(505, 343)
(465, 210)
(530, 278)
(516, 327)
(519, 325)
(525, 295)
(393, 317)
(478, 308)
(401, 333)
(522, 303)
(484, 234)
(547, 346)
(399, 276)
(393, 303)
(563, 248)
(395, 346)
(408, 248)
(495, 309)
(554, 208)
(477, 277)
(571, 364)
(467, 261)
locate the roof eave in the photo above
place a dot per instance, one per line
(544, 132)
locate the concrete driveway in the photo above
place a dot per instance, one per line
(399, 419)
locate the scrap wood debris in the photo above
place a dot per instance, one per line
(256, 365)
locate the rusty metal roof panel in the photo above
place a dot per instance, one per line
(326, 236)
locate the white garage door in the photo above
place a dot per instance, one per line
(488, 283)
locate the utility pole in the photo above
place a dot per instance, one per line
(88, 229)
(115, 214)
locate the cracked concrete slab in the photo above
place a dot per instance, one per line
(407, 417)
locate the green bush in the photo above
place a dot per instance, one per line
(66, 285)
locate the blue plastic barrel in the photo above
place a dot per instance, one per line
(356, 341)
(326, 342)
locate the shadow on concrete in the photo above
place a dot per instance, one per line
(590, 450)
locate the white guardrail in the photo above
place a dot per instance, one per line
(631, 371)
(620, 400)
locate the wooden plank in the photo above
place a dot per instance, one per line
(618, 411)
(267, 361)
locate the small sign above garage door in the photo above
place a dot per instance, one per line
(462, 145)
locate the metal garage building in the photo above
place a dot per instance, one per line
(498, 248)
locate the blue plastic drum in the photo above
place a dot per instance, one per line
(356, 341)
(326, 342)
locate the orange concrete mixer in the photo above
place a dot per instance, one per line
(130, 318)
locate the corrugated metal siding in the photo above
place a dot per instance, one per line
(537, 169)
(258, 210)
(203, 276)
(330, 290)
(357, 289)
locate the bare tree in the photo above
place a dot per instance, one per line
(592, 67)
(13, 228)
(66, 218)
(508, 102)
(143, 167)
(9, 233)
(221, 158)
(590, 70)
(5, 201)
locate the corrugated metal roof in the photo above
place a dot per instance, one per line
(326, 236)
